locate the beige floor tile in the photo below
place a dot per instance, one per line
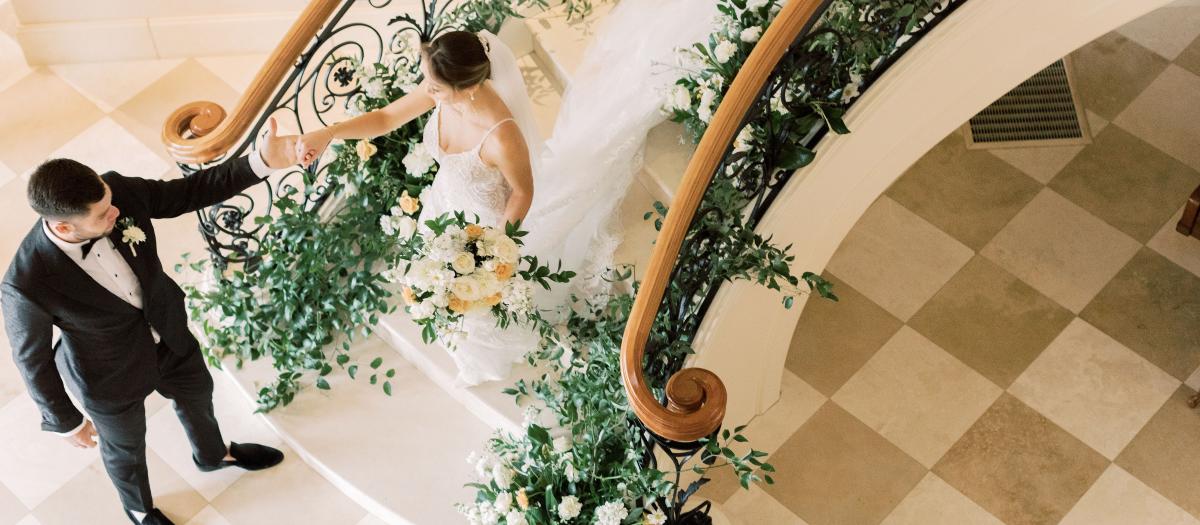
(208, 516)
(969, 194)
(833, 340)
(106, 146)
(1152, 306)
(1020, 466)
(1166, 454)
(1061, 250)
(237, 70)
(11, 384)
(934, 502)
(798, 401)
(991, 321)
(144, 114)
(110, 84)
(921, 258)
(837, 470)
(1127, 182)
(38, 114)
(1193, 381)
(917, 396)
(19, 219)
(1165, 114)
(1180, 249)
(90, 497)
(11, 508)
(238, 423)
(29, 520)
(1189, 58)
(1118, 498)
(372, 520)
(1111, 70)
(1040, 163)
(289, 493)
(33, 463)
(1096, 122)
(755, 506)
(7, 175)
(1166, 31)
(1094, 387)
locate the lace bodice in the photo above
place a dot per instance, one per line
(463, 182)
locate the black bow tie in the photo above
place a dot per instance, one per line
(87, 247)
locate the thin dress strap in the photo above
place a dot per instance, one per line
(489, 132)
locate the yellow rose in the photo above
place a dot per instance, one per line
(365, 149)
(491, 300)
(503, 271)
(522, 500)
(409, 204)
(459, 306)
(474, 231)
(409, 296)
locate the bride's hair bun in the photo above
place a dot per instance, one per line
(459, 59)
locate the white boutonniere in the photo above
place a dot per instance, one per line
(131, 234)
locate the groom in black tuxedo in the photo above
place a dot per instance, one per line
(90, 267)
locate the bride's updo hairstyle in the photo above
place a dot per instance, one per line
(458, 59)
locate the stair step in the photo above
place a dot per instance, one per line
(401, 457)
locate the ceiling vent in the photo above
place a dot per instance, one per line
(1041, 111)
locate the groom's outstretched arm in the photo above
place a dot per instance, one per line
(209, 186)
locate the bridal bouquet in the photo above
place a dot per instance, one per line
(460, 267)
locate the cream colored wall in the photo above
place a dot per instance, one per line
(61, 31)
(972, 58)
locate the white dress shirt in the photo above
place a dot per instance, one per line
(105, 265)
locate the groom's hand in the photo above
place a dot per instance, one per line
(278, 152)
(85, 438)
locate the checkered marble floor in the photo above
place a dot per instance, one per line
(1019, 329)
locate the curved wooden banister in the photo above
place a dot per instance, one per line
(198, 132)
(696, 398)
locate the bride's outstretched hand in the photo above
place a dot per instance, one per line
(310, 145)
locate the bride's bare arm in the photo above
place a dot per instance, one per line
(372, 124)
(508, 151)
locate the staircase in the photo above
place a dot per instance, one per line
(403, 457)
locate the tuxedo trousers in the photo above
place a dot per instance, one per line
(121, 425)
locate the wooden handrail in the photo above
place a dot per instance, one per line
(198, 132)
(1191, 214)
(696, 397)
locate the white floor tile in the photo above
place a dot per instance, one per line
(106, 146)
(110, 84)
(33, 463)
(935, 502)
(755, 506)
(237, 70)
(1118, 498)
(209, 516)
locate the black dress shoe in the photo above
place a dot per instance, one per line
(248, 456)
(154, 517)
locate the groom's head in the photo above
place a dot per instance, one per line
(72, 199)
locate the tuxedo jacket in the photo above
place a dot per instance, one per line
(106, 349)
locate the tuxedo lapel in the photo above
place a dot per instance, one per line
(67, 277)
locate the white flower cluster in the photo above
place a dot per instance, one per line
(569, 508)
(611, 513)
(418, 161)
(399, 221)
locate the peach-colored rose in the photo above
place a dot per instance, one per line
(409, 204)
(492, 300)
(459, 306)
(522, 500)
(474, 231)
(410, 297)
(504, 271)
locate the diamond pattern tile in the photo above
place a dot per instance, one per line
(1163, 115)
(1165, 455)
(1118, 498)
(106, 146)
(40, 113)
(934, 502)
(1111, 70)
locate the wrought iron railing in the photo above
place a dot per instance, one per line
(678, 306)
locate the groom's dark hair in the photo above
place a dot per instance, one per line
(62, 188)
(459, 59)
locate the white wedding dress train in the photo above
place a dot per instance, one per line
(583, 171)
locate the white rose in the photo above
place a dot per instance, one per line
(706, 102)
(502, 475)
(743, 140)
(463, 263)
(611, 513)
(680, 98)
(467, 289)
(656, 518)
(516, 517)
(506, 250)
(754, 5)
(422, 310)
(569, 507)
(418, 161)
(724, 51)
(503, 502)
(751, 35)
(406, 227)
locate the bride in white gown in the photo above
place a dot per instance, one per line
(483, 135)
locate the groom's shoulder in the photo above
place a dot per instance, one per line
(26, 264)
